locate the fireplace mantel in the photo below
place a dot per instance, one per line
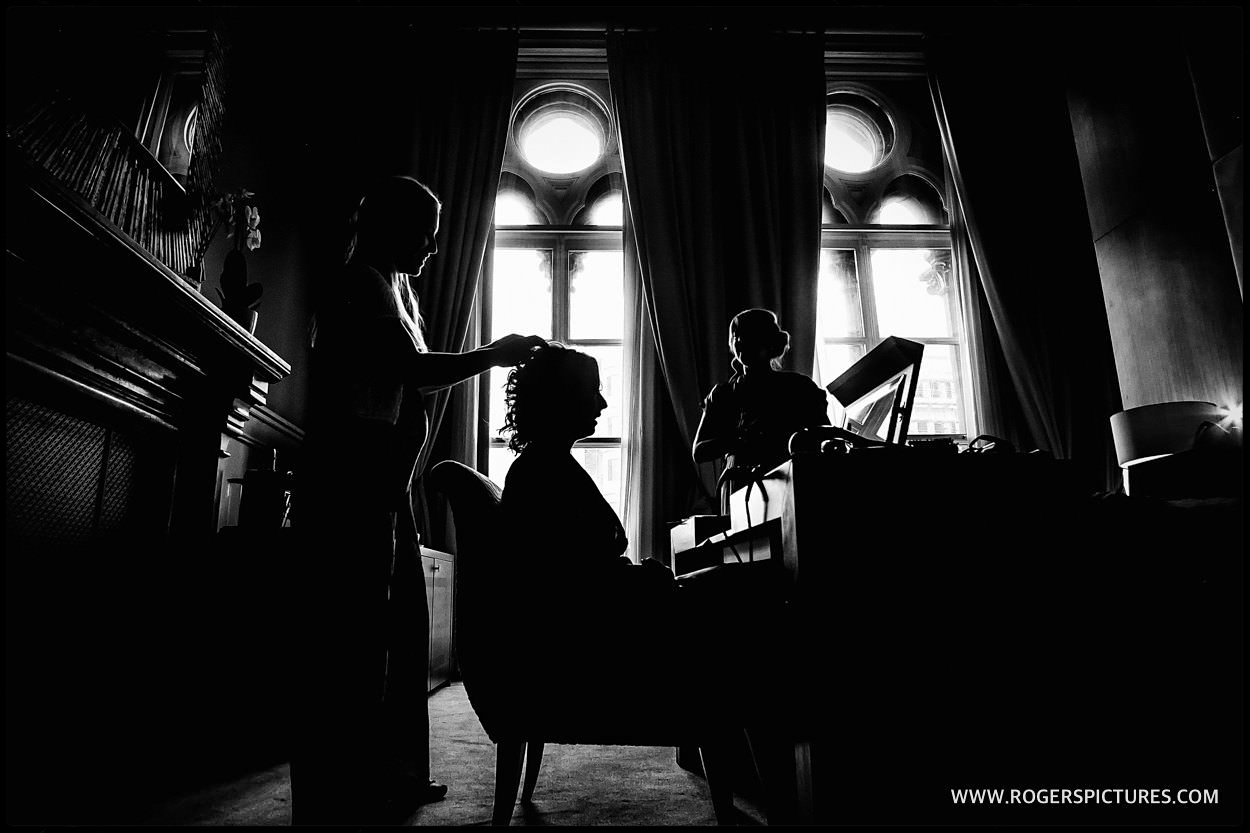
(97, 327)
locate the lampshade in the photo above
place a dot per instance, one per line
(1152, 431)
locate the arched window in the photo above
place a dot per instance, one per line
(515, 208)
(605, 203)
(561, 129)
(878, 278)
(858, 133)
(829, 213)
(515, 204)
(607, 210)
(909, 201)
(556, 268)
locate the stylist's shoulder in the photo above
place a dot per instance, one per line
(368, 293)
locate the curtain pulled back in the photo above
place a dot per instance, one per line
(1008, 143)
(721, 141)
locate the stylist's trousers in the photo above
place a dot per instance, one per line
(360, 723)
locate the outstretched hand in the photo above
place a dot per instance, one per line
(510, 349)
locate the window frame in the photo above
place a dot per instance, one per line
(862, 240)
(560, 241)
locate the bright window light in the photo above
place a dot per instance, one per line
(608, 210)
(900, 211)
(562, 143)
(853, 143)
(515, 209)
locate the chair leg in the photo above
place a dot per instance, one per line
(533, 761)
(718, 782)
(508, 757)
(774, 755)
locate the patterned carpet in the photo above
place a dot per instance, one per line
(578, 785)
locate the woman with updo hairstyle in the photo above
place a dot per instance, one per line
(751, 417)
(360, 744)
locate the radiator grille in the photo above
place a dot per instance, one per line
(121, 482)
(69, 482)
(53, 465)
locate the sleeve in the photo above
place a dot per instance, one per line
(720, 416)
(819, 407)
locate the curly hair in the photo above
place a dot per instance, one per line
(538, 389)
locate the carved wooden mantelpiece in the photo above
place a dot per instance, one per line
(94, 320)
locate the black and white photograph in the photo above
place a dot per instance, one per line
(624, 416)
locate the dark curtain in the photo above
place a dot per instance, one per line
(433, 103)
(461, 111)
(721, 140)
(461, 126)
(1008, 142)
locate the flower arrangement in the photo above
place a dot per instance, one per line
(239, 213)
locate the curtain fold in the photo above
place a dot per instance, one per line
(1008, 144)
(433, 103)
(721, 137)
(639, 498)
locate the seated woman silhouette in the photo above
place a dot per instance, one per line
(593, 606)
(751, 417)
(634, 639)
(570, 542)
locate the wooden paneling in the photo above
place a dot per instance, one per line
(439, 569)
(119, 658)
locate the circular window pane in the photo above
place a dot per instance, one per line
(858, 134)
(853, 144)
(561, 142)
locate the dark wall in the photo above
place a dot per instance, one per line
(1216, 56)
(318, 104)
(1173, 298)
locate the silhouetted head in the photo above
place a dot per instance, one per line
(553, 395)
(395, 225)
(757, 340)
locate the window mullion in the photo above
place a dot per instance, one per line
(867, 291)
(560, 289)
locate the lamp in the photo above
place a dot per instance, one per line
(1151, 432)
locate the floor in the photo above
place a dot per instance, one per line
(578, 785)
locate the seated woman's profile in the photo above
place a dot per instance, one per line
(625, 631)
(569, 543)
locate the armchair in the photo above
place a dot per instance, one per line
(517, 710)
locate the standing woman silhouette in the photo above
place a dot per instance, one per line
(750, 418)
(360, 751)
